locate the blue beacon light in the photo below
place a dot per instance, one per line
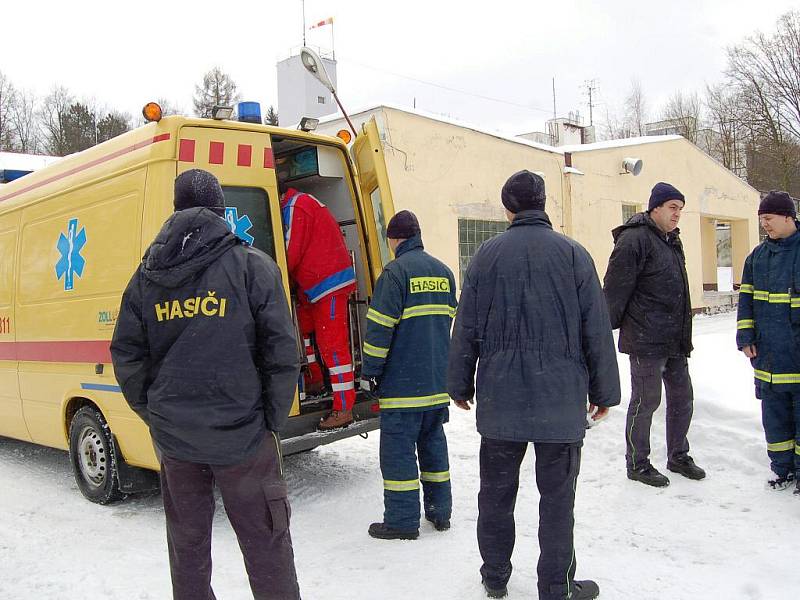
(249, 112)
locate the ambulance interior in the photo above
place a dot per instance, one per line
(322, 171)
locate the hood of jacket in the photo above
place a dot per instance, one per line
(188, 242)
(643, 219)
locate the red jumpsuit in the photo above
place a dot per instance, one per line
(322, 272)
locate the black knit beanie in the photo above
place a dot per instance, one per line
(663, 192)
(402, 226)
(196, 187)
(777, 203)
(523, 191)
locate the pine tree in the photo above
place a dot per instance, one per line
(271, 118)
(111, 125)
(217, 89)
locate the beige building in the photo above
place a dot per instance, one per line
(450, 174)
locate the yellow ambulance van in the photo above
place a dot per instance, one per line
(72, 234)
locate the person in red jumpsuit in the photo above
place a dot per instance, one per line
(322, 272)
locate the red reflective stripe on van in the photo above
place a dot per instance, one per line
(269, 159)
(245, 157)
(186, 151)
(91, 351)
(159, 138)
(216, 152)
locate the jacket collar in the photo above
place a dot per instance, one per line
(785, 243)
(531, 217)
(287, 195)
(412, 243)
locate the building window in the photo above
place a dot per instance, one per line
(471, 234)
(628, 210)
(320, 99)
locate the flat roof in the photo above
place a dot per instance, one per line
(650, 139)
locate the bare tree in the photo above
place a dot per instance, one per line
(24, 122)
(7, 95)
(764, 70)
(724, 115)
(682, 112)
(53, 118)
(636, 109)
(217, 89)
(169, 108)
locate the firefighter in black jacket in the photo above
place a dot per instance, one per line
(647, 291)
(205, 353)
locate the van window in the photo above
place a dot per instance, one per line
(380, 224)
(248, 215)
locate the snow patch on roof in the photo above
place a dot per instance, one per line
(634, 141)
(14, 161)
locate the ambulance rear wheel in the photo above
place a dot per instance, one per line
(92, 456)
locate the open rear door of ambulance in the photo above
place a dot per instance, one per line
(376, 194)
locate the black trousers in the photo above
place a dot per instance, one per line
(647, 375)
(254, 494)
(557, 467)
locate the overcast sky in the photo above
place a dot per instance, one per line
(124, 54)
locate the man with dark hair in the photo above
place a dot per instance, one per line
(768, 329)
(533, 318)
(405, 365)
(205, 353)
(647, 290)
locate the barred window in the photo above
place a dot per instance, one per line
(628, 210)
(471, 234)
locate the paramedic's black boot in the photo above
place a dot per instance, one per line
(684, 465)
(382, 532)
(780, 482)
(439, 524)
(797, 488)
(585, 590)
(494, 592)
(648, 475)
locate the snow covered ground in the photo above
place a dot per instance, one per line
(725, 537)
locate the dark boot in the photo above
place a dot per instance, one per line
(648, 475)
(684, 465)
(797, 488)
(494, 592)
(585, 590)
(439, 524)
(382, 532)
(337, 418)
(781, 482)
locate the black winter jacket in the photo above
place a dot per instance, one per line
(647, 290)
(204, 348)
(532, 315)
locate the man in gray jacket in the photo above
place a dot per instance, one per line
(205, 353)
(533, 318)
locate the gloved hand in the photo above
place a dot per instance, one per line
(369, 385)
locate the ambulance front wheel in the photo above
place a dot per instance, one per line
(92, 456)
